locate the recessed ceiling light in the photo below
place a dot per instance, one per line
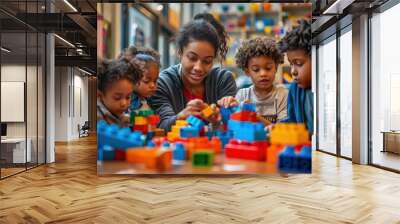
(5, 49)
(70, 5)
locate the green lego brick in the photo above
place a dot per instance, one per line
(145, 113)
(203, 158)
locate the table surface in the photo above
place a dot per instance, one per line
(222, 165)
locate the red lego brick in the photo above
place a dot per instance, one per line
(119, 154)
(142, 128)
(244, 116)
(153, 119)
(246, 150)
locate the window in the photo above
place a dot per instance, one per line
(327, 96)
(346, 94)
(385, 89)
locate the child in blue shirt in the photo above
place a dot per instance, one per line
(297, 45)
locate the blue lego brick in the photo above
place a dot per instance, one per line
(189, 132)
(251, 132)
(151, 144)
(195, 122)
(247, 131)
(248, 106)
(225, 114)
(150, 135)
(105, 153)
(117, 137)
(291, 162)
(224, 137)
(287, 160)
(179, 153)
(304, 160)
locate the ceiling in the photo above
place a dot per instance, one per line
(72, 20)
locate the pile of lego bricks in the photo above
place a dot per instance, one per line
(190, 140)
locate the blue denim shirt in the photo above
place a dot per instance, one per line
(300, 106)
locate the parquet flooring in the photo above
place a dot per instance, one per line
(69, 191)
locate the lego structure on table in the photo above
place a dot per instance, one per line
(191, 141)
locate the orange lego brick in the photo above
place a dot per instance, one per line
(207, 112)
(273, 153)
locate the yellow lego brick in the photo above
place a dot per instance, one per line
(176, 129)
(172, 136)
(140, 120)
(181, 123)
(289, 134)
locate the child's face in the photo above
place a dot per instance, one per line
(300, 63)
(262, 71)
(148, 85)
(197, 59)
(117, 96)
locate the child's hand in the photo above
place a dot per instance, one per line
(227, 101)
(193, 107)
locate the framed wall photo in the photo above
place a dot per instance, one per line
(139, 29)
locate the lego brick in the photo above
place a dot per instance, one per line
(140, 120)
(189, 132)
(179, 152)
(287, 160)
(151, 158)
(225, 114)
(291, 162)
(203, 158)
(105, 153)
(224, 137)
(304, 160)
(171, 136)
(145, 113)
(119, 154)
(195, 122)
(207, 112)
(141, 128)
(117, 137)
(246, 150)
(289, 134)
(251, 132)
(159, 132)
(273, 153)
(153, 119)
(181, 123)
(244, 116)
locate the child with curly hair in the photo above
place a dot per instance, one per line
(259, 58)
(297, 45)
(116, 82)
(149, 62)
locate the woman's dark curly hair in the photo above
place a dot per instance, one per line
(205, 28)
(145, 54)
(222, 34)
(298, 38)
(110, 71)
(259, 46)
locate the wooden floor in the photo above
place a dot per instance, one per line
(70, 191)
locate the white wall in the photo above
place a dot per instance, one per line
(71, 102)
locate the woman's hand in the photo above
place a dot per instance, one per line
(227, 101)
(193, 107)
(216, 117)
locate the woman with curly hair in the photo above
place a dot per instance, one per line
(297, 45)
(259, 58)
(186, 88)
